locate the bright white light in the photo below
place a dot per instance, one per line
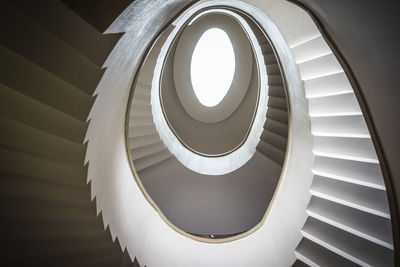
(212, 67)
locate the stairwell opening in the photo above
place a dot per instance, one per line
(212, 67)
(175, 174)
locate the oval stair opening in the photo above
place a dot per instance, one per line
(212, 67)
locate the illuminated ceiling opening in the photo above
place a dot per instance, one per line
(212, 67)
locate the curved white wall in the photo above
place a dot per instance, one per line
(126, 210)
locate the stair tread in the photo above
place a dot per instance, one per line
(277, 115)
(18, 207)
(147, 150)
(75, 68)
(273, 68)
(275, 80)
(151, 160)
(141, 120)
(357, 149)
(342, 126)
(109, 259)
(24, 189)
(141, 130)
(310, 50)
(51, 120)
(330, 85)
(20, 162)
(337, 105)
(362, 173)
(26, 138)
(319, 67)
(277, 102)
(313, 254)
(265, 46)
(366, 199)
(273, 153)
(349, 246)
(276, 127)
(139, 141)
(277, 91)
(274, 139)
(373, 228)
(42, 85)
(72, 29)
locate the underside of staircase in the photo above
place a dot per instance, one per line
(51, 62)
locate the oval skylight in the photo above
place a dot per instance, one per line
(212, 67)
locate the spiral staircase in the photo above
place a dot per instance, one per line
(51, 64)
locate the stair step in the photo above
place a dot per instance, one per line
(141, 105)
(330, 85)
(54, 223)
(140, 108)
(273, 138)
(141, 120)
(357, 149)
(275, 80)
(363, 198)
(72, 29)
(278, 103)
(276, 127)
(76, 254)
(277, 115)
(18, 207)
(342, 126)
(313, 254)
(299, 263)
(370, 227)
(347, 245)
(19, 162)
(260, 36)
(269, 58)
(151, 160)
(109, 259)
(141, 130)
(338, 105)
(312, 49)
(277, 91)
(147, 72)
(25, 110)
(147, 150)
(142, 89)
(271, 152)
(42, 85)
(319, 67)
(140, 96)
(28, 139)
(19, 33)
(34, 190)
(273, 69)
(140, 141)
(361, 173)
(39, 235)
(265, 46)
